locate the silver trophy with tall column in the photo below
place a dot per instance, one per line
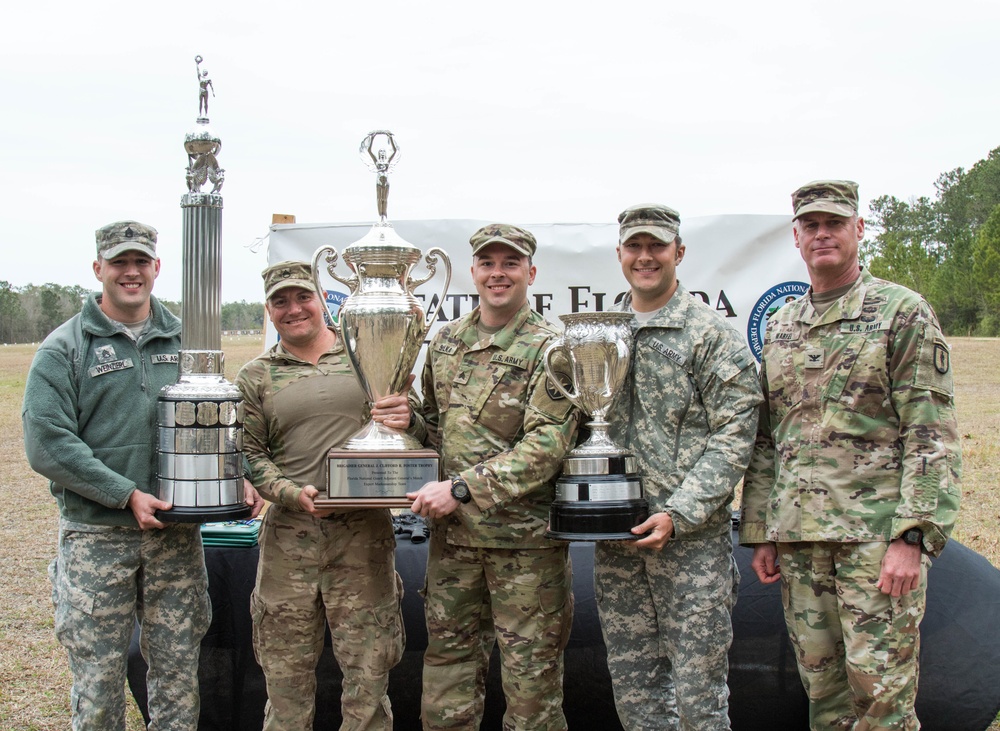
(382, 326)
(599, 494)
(200, 418)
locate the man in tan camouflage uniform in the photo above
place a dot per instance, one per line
(689, 415)
(502, 434)
(316, 565)
(89, 421)
(855, 474)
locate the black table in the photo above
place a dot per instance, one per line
(960, 653)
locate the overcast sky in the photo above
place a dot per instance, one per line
(516, 111)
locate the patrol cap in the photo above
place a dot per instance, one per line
(839, 197)
(649, 218)
(287, 274)
(515, 237)
(121, 236)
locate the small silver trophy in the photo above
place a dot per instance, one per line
(200, 418)
(599, 495)
(382, 326)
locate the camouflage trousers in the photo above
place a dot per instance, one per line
(667, 623)
(523, 599)
(103, 579)
(857, 648)
(313, 571)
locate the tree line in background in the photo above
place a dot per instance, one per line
(28, 314)
(947, 248)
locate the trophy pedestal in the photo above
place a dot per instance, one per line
(598, 498)
(376, 479)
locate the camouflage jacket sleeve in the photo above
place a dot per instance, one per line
(922, 394)
(759, 478)
(533, 461)
(267, 476)
(730, 395)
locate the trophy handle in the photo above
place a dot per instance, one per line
(431, 261)
(557, 346)
(331, 265)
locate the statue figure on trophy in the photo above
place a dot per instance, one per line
(380, 164)
(204, 86)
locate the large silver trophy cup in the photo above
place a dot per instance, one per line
(382, 326)
(599, 495)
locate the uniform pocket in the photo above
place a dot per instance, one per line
(388, 635)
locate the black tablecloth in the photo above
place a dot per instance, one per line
(960, 654)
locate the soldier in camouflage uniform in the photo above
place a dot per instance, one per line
(854, 480)
(689, 414)
(89, 420)
(502, 433)
(316, 565)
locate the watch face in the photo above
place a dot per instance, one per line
(459, 491)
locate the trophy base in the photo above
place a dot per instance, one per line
(216, 514)
(596, 507)
(597, 521)
(376, 479)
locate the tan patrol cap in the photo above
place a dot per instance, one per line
(287, 274)
(515, 237)
(649, 218)
(121, 236)
(839, 197)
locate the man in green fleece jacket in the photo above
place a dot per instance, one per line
(89, 419)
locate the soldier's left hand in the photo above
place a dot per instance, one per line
(660, 527)
(394, 410)
(900, 569)
(252, 498)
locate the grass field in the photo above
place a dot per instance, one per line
(34, 679)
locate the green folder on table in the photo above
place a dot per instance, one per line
(230, 533)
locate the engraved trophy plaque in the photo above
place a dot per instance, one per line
(599, 494)
(382, 326)
(200, 418)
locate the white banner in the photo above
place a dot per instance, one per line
(743, 266)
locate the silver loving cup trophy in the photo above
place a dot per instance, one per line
(382, 326)
(599, 495)
(200, 418)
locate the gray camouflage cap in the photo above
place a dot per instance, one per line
(515, 237)
(121, 236)
(649, 218)
(287, 274)
(839, 197)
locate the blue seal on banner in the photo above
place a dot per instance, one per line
(770, 302)
(333, 302)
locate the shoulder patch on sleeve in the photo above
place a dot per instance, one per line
(933, 370)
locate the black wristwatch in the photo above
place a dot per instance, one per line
(460, 490)
(913, 537)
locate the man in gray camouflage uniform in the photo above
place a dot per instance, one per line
(317, 565)
(688, 414)
(502, 434)
(855, 474)
(89, 419)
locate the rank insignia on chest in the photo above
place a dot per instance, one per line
(814, 358)
(105, 353)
